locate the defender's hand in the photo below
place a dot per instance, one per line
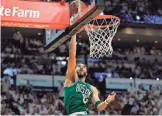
(111, 97)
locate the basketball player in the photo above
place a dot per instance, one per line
(77, 93)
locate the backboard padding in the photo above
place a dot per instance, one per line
(92, 12)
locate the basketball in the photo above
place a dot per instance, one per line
(74, 7)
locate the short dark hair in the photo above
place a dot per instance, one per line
(80, 63)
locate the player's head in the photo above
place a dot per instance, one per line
(81, 70)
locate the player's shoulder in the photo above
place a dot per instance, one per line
(67, 82)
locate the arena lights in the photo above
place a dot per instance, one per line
(39, 33)
(157, 79)
(101, 13)
(131, 78)
(138, 17)
(60, 58)
(63, 62)
(80, 43)
(156, 41)
(148, 19)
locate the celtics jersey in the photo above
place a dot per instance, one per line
(77, 97)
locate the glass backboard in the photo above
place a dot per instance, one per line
(53, 38)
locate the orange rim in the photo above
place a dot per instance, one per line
(91, 26)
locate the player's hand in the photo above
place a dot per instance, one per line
(111, 97)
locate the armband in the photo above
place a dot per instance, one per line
(97, 103)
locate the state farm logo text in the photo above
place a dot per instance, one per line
(17, 12)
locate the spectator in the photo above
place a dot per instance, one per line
(5, 84)
(28, 89)
(131, 89)
(61, 91)
(135, 109)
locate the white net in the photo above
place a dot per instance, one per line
(101, 33)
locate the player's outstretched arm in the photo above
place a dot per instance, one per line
(98, 103)
(71, 62)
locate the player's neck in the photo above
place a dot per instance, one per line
(83, 79)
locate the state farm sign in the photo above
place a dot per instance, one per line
(18, 12)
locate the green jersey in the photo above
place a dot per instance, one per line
(77, 97)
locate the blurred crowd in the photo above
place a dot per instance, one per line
(20, 45)
(136, 11)
(23, 55)
(138, 102)
(22, 100)
(137, 7)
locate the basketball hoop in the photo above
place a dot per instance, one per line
(101, 31)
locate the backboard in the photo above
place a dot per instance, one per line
(53, 38)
